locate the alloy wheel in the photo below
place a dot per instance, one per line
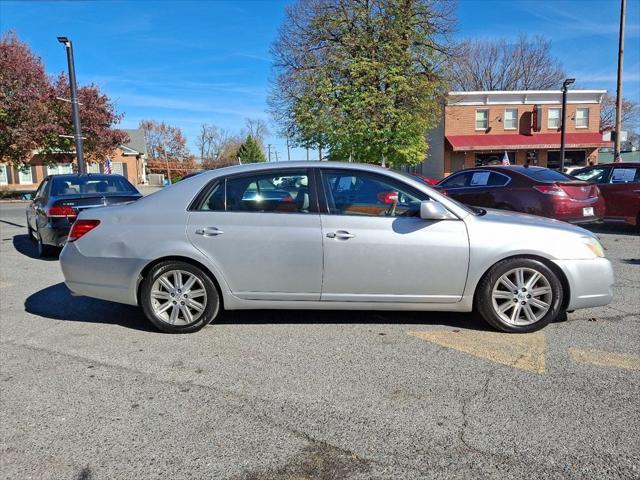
(178, 297)
(522, 296)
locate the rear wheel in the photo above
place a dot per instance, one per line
(519, 295)
(178, 297)
(44, 250)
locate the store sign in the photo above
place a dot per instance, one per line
(536, 118)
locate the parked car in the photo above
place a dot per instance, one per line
(534, 190)
(427, 180)
(60, 198)
(357, 237)
(619, 184)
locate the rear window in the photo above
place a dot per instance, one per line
(107, 185)
(545, 175)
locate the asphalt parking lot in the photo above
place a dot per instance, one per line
(91, 391)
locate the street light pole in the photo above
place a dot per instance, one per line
(565, 87)
(75, 111)
(616, 148)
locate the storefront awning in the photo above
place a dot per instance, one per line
(525, 142)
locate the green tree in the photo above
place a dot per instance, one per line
(250, 151)
(362, 78)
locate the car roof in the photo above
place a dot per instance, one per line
(615, 164)
(256, 167)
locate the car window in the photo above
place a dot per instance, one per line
(351, 192)
(456, 180)
(545, 174)
(42, 189)
(91, 185)
(488, 179)
(625, 175)
(274, 192)
(596, 175)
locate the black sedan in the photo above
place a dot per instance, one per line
(59, 198)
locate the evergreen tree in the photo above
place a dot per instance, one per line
(250, 151)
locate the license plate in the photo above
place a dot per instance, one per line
(587, 212)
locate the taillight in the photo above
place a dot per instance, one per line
(81, 228)
(61, 211)
(551, 190)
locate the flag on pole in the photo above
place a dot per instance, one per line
(107, 166)
(505, 159)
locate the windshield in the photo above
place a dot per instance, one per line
(592, 175)
(103, 185)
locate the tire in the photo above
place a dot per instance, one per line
(527, 310)
(44, 250)
(169, 307)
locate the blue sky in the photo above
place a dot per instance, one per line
(194, 62)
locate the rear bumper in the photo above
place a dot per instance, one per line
(572, 211)
(590, 282)
(107, 278)
(55, 235)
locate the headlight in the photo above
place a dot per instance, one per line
(594, 246)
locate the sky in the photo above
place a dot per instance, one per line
(194, 62)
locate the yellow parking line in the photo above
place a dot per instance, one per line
(605, 359)
(524, 351)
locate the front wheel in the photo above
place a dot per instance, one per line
(178, 297)
(519, 295)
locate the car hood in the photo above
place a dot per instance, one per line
(525, 220)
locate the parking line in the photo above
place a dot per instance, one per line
(524, 351)
(602, 358)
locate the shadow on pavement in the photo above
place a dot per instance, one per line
(612, 229)
(27, 247)
(57, 303)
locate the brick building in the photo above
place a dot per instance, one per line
(479, 127)
(128, 160)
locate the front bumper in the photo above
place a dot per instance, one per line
(590, 282)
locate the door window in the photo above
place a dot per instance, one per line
(488, 179)
(274, 192)
(625, 175)
(361, 193)
(456, 181)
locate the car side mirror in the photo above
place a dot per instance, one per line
(431, 210)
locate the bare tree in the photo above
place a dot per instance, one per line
(205, 140)
(526, 64)
(630, 113)
(256, 128)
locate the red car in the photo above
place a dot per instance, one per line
(535, 190)
(427, 180)
(619, 184)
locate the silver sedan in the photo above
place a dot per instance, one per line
(325, 235)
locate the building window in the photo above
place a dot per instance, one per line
(511, 119)
(482, 119)
(25, 175)
(59, 169)
(553, 119)
(582, 117)
(93, 168)
(116, 167)
(4, 177)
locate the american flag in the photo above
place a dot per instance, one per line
(107, 166)
(505, 159)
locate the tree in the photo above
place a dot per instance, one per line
(25, 98)
(526, 64)
(362, 78)
(32, 118)
(630, 113)
(257, 128)
(97, 115)
(164, 142)
(250, 151)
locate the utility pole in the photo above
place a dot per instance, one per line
(616, 148)
(269, 151)
(563, 126)
(307, 154)
(75, 111)
(276, 152)
(288, 151)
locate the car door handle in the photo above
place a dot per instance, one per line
(209, 231)
(340, 235)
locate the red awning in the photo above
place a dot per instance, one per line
(518, 141)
